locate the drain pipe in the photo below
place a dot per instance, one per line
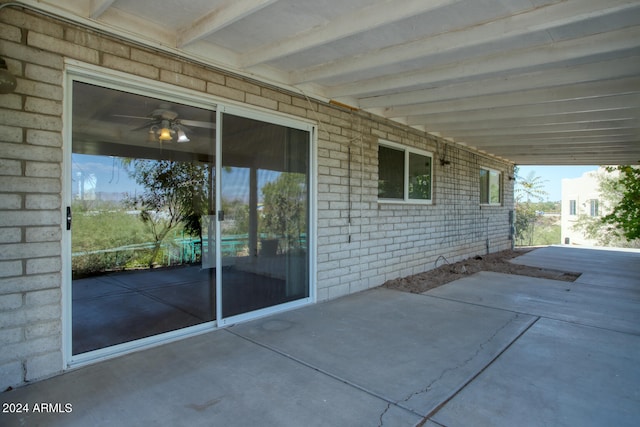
(349, 191)
(487, 234)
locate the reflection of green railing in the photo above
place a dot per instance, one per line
(181, 250)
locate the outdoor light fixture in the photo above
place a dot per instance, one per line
(7, 80)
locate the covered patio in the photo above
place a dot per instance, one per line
(487, 350)
(469, 88)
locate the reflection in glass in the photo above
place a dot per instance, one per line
(265, 181)
(390, 173)
(141, 239)
(144, 243)
(419, 177)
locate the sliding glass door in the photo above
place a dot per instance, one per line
(141, 216)
(176, 220)
(265, 205)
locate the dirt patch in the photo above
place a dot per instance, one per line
(498, 262)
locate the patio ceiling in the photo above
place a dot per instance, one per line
(532, 81)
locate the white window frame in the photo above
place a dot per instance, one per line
(500, 187)
(407, 151)
(574, 211)
(594, 208)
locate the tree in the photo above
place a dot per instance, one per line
(530, 187)
(626, 213)
(175, 193)
(619, 195)
(527, 189)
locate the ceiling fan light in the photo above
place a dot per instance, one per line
(182, 137)
(165, 134)
(152, 134)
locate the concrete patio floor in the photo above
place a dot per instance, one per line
(487, 350)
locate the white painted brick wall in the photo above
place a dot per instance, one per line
(30, 199)
(43, 234)
(10, 268)
(384, 241)
(10, 235)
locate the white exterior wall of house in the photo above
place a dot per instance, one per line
(578, 198)
(382, 242)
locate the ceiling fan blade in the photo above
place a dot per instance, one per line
(144, 126)
(199, 124)
(132, 117)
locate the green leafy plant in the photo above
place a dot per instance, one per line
(527, 190)
(619, 201)
(625, 215)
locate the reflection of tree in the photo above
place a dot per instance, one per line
(175, 193)
(420, 187)
(238, 210)
(284, 214)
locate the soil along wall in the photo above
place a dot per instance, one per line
(361, 241)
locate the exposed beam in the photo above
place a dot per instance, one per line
(611, 69)
(579, 149)
(629, 138)
(588, 157)
(560, 108)
(506, 129)
(535, 21)
(98, 7)
(358, 21)
(224, 15)
(604, 134)
(517, 120)
(502, 64)
(596, 157)
(549, 149)
(571, 160)
(525, 124)
(578, 91)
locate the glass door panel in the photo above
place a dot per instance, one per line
(143, 225)
(265, 203)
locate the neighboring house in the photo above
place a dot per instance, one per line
(374, 199)
(580, 196)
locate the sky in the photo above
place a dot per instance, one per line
(552, 177)
(105, 174)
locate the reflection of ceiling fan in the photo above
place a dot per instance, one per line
(164, 125)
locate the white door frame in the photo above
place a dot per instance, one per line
(88, 73)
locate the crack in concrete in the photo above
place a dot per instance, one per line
(454, 368)
(381, 423)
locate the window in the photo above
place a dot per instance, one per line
(572, 207)
(490, 187)
(593, 208)
(404, 174)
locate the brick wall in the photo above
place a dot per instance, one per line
(381, 242)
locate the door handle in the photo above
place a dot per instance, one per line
(220, 215)
(68, 217)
